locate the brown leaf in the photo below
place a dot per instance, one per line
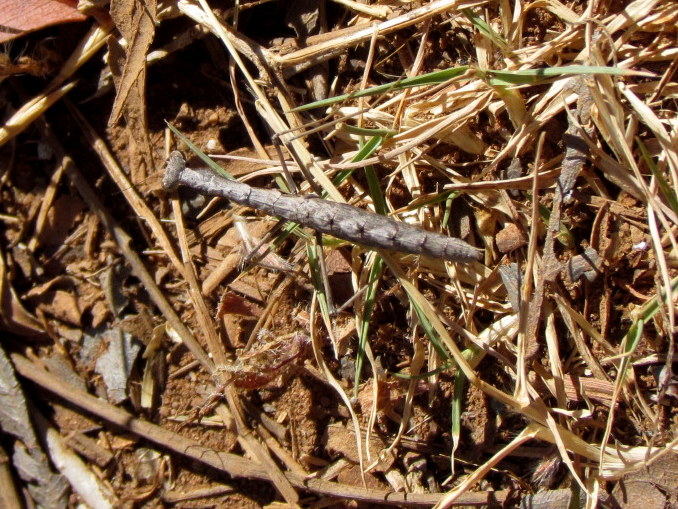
(61, 218)
(63, 306)
(340, 440)
(510, 238)
(13, 316)
(136, 22)
(238, 315)
(234, 304)
(19, 17)
(585, 265)
(654, 486)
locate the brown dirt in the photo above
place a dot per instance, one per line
(70, 274)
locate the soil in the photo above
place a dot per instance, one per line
(80, 295)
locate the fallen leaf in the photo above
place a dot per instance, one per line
(654, 486)
(233, 304)
(136, 22)
(510, 238)
(19, 17)
(29, 460)
(13, 316)
(63, 306)
(340, 440)
(115, 365)
(61, 218)
(112, 281)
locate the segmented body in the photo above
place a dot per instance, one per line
(338, 219)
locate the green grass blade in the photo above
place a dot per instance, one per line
(564, 235)
(448, 207)
(312, 249)
(376, 270)
(368, 148)
(532, 76)
(365, 131)
(431, 199)
(668, 192)
(495, 77)
(423, 376)
(209, 162)
(375, 190)
(651, 307)
(455, 414)
(430, 331)
(486, 29)
(365, 151)
(635, 333)
(432, 78)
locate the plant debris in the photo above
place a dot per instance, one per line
(155, 332)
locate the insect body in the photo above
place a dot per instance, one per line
(338, 219)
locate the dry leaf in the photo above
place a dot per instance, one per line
(46, 488)
(234, 304)
(13, 316)
(62, 216)
(15, 20)
(510, 238)
(63, 306)
(655, 486)
(115, 364)
(136, 23)
(340, 440)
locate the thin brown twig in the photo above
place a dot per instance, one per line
(227, 463)
(124, 241)
(118, 176)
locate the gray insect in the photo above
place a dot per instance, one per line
(338, 219)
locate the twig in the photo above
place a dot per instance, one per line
(124, 241)
(228, 463)
(126, 187)
(338, 219)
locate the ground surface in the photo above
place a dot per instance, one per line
(149, 300)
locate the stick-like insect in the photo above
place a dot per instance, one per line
(338, 219)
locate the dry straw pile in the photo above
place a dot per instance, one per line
(543, 133)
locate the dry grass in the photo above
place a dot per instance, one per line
(566, 177)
